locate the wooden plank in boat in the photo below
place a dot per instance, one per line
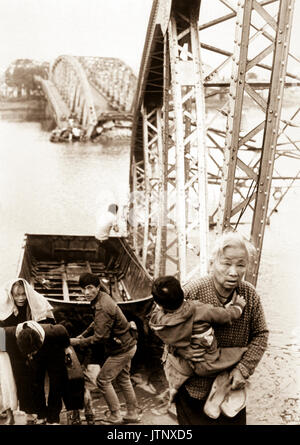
(61, 259)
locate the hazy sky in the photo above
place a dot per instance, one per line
(45, 29)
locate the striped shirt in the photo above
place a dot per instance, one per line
(249, 330)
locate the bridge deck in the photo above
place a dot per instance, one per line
(61, 110)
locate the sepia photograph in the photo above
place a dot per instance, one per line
(149, 205)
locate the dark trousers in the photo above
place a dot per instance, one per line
(190, 412)
(23, 378)
(55, 368)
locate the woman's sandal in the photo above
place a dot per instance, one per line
(218, 392)
(234, 402)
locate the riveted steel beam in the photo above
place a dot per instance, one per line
(175, 191)
(258, 169)
(283, 32)
(215, 145)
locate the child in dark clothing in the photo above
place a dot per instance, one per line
(185, 326)
(44, 346)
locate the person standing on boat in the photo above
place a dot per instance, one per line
(111, 329)
(107, 221)
(20, 302)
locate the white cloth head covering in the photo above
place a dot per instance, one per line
(32, 325)
(40, 308)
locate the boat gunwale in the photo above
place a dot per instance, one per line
(76, 303)
(86, 303)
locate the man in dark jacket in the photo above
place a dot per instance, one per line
(111, 329)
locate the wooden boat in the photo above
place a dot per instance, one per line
(53, 263)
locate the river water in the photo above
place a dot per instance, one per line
(53, 188)
(60, 189)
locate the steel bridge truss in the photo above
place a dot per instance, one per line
(113, 79)
(70, 80)
(257, 170)
(178, 147)
(80, 81)
(172, 172)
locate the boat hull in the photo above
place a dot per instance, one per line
(53, 264)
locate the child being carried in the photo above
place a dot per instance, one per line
(185, 327)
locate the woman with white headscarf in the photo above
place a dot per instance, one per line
(19, 302)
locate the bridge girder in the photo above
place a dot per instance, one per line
(170, 121)
(178, 147)
(113, 79)
(69, 77)
(89, 87)
(261, 173)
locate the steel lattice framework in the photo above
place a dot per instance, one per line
(179, 145)
(88, 87)
(112, 78)
(69, 78)
(261, 172)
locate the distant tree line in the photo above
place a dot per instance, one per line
(20, 75)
